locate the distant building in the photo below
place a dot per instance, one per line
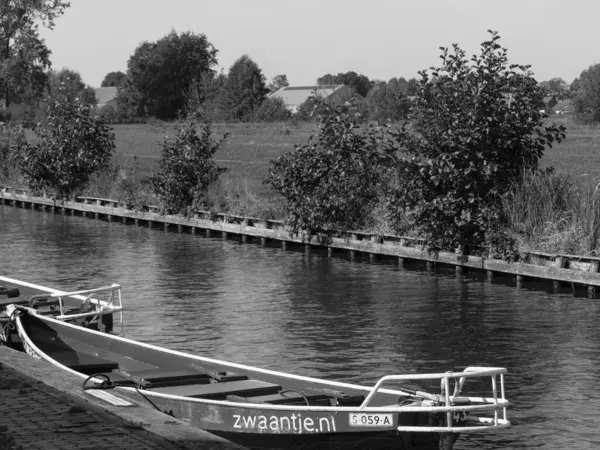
(294, 96)
(105, 95)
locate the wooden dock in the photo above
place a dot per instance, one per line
(581, 271)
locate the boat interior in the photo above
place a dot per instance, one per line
(177, 375)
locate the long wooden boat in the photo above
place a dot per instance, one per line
(98, 308)
(259, 408)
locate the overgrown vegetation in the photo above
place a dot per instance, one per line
(334, 181)
(475, 127)
(186, 168)
(71, 146)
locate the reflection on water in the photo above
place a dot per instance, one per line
(313, 315)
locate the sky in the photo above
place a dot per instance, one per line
(307, 39)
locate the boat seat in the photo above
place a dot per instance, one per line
(284, 398)
(222, 390)
(4, 302)
(84, 363)
(10, 293)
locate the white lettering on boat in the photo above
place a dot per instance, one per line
(285, 424)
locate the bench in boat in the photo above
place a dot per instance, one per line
(312, 396)
(221, 390)
(8, 292)
(83, 362)
(159, 377)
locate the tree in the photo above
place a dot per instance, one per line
(333, 182)
(72, 146)
(244, 89)
(68, 83)
(360, 83)
(272, 110)
(113, 79)
(24, 56)
(477, 129)
(388, 101)
(586, 94)
(162, 72)
(557, 88)
(186, 168)
(278, 82)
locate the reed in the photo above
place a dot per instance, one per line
(555, 212)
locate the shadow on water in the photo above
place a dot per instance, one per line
(311, 314)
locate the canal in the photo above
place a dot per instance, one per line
(322, 316)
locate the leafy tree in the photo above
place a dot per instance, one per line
(244, 89)
(557, 88)
(71, 147)
(272, 110)
(360, 83)
(24, 56)
(278, 82)
(586, 92)
(333, 182)
(113, 79)
(477, 129)
(161, 72)
(68, 83)
(186, 167)
(388, 101)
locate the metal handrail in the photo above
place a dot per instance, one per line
(451, 404)
(113, 305)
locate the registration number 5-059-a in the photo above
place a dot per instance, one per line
(371, 420)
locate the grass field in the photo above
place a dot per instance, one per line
(250, 146)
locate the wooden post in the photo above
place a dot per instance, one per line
(559, 263)
(490, 275)
(401, 261)
(430, 266)
(263, 242)
(460, 270)
(224, 234)
(136, 221)
(283, 245)
(244, 238)
(96, 215)
(194, 231)
(372, 258)
(329, 251)
(124, 219)
(83, 213)
(207, 232)
(165, 226)
(351, 255)
(179, 228)
(520, 280)
(594, 268)
(109, 217)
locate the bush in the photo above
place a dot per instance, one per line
(72, 146)
(476, 127)
(186, 168)
(272, 110)
(335, 182)
(12, 143)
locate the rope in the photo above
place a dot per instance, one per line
(297, 392)
(106, 384)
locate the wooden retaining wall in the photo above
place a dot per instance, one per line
(560, 269)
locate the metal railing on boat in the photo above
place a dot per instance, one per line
(112, 305)
(454, 404)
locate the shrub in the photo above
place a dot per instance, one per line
(335, 181)
(72, 146)
(272, 110)
(186, 167)
(476, 129)
(12, 143)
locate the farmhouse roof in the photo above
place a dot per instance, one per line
(294, 96)
(105, 95)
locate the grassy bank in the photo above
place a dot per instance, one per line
(555, 212)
